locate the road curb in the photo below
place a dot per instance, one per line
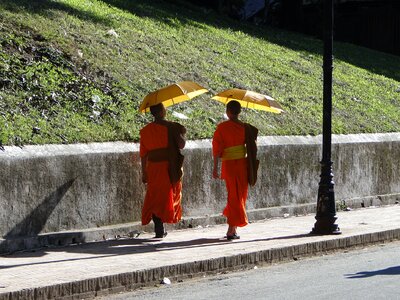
(105, 285)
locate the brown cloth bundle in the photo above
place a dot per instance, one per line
(172, 153)
(175, 158)
(251, 133)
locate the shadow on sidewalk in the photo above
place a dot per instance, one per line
(365, 274)
(128, 247)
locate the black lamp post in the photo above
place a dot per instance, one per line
(326, 209)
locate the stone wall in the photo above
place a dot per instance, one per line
(58, 188)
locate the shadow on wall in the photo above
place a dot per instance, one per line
(33, 224)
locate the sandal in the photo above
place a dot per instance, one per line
(160, 236)
(232, 237)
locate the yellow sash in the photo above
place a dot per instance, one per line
(235, 152)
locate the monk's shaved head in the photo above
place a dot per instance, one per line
(157, 110)
(234, 107)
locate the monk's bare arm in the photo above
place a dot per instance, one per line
(217, 153)
(181, 138)
(216, 168)
(143, 161)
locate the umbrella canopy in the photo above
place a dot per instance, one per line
(172, 94)
(249, 99)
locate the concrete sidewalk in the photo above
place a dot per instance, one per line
(96, 269)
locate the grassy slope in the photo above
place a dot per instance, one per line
(65, 79)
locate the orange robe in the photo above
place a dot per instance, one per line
(162, 199)
(234, 172)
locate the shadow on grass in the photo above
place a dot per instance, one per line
(46, 6)
(165, 11)
(185, 13)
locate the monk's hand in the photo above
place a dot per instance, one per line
(215, 174)
(144, 178)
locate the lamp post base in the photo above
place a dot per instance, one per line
(325, 225)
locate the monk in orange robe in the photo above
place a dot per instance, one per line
(160, 144)
(231, 143)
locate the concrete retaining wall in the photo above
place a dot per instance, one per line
(54, 188)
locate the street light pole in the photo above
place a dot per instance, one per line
(326, 208)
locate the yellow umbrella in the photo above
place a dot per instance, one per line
(172, 94)
(249, 99)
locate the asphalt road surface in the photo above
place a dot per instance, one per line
(369, 273)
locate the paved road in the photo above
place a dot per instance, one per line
(87, 270)
(369, 273)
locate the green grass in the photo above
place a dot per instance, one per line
(65, 79)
